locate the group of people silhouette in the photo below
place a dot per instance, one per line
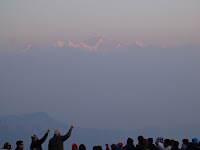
(56, 143)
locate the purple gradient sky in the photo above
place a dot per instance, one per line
(154, 22)
(144, 63)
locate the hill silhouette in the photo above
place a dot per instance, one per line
(22, 127)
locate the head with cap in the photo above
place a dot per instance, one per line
(57, 132)
(118, 147)
(159, 139)
(113, 146)
(7, 146)
(74, 146)
(195, 141)
(121, 145)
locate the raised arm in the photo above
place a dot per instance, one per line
(66, 136)
(44, 137)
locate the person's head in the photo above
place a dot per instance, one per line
(175, 144)
(57, 132)
(129, 141)
(185, 141)
(118, 147)
(82, 147)
(150, 141)
(195, 141)
(34, 138)
(171, 142)
(159, 139)
(95, 147)
(121, 145)
(99, 147)
(7, 146)
(140, 139)
(113, 146)
(74, 146)
(166, 142)
(107, 147)
(20, 144)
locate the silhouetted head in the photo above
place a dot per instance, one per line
(175, 144)
(82, 147)
(107, 147)
(20, 144)
(185, 141)
(129, 141)
(34, 138)
(113, 146)
(140, 139)
(7, 146)
(150, 140)
(166, 142)
(95, 147)
(99, 147)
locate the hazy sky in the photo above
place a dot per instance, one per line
(43, 22)
(102, 64)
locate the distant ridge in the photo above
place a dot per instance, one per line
(22, 127)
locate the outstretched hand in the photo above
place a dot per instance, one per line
(48, 131)
(72, 126)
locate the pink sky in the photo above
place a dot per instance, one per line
(169, 23)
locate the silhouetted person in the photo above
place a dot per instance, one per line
(184, 144)
(149, 144)
(113, 146)
(165, 145)
(37, 144)
(20, 145)
(56, 142)
(140, 145)
(107, 147)
(95, 148)
(129, 145)
(175, 145)
(99, 147)
(7, 146)
(118, 147)
(193, 145)
(121, 145)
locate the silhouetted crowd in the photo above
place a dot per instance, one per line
(56, 143)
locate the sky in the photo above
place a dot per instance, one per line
(153, 22)
(102, 64)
